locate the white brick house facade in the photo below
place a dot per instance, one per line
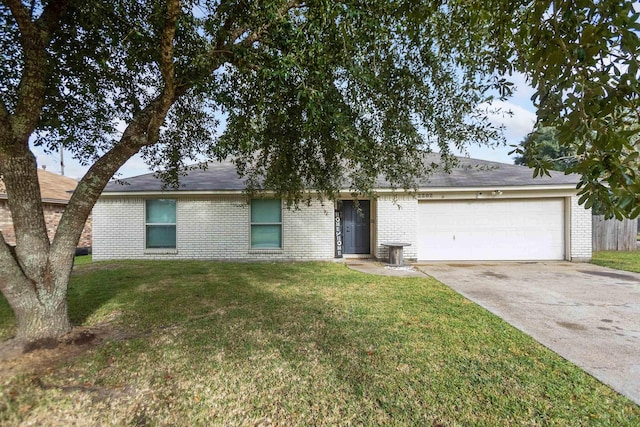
(215, 227)
(396, 221)
(581, 234)
(477, 210)
(218, 227)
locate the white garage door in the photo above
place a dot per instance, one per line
(518, 229)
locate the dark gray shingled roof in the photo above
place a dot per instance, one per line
(483, 173)
(222, 176)
(218, 176)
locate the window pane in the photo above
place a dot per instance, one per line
(161, 236)
(161, 211)
(266, 210)
(266, 236)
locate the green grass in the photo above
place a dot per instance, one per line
(629, 261)
(82, 260)
(298, 344)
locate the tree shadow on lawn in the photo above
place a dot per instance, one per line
(240, 308)
(295, 334)
(314, 338)
(271, 324)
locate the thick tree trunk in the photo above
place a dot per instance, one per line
(34, 276)
(41, 319)
(34, 282)
(40, 307)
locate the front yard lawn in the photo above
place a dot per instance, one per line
(208, 343)
(629, 261)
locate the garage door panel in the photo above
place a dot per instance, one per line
(518, 229)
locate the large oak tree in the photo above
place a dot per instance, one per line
(310, 92)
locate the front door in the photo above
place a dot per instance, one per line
(356, 233)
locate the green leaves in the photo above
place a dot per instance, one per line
(345, 90)
(303, 94)
(584, 65)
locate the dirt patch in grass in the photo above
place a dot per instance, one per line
(15, 362)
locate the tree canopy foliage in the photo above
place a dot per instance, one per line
(310, 92)
(542, 147)
(313, 90)
(583, 62)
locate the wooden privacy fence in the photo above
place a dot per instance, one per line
(614, 235)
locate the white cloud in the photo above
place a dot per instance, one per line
(523, 91)
(518, 124)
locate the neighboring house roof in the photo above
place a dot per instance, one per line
(468, 173)
(54, 188)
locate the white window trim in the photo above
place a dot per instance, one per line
(160, 251)
(279, 250)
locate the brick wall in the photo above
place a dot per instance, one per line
(396, 221)
(581, 233)
(52, 214)
(216, 228)
(219, 228)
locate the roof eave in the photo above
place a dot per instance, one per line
(538, 187)
(156, 193)
(44, 200)
(548, 187)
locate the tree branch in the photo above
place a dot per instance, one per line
(16, 160)
(5, 123)
(9, 269)
(20, 175)
(259, 32)
(167, 68)
(139, 133)
(49, 21)
(21, 15)
(226, 45)
(34, 38)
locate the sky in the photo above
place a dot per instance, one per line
(517, 126)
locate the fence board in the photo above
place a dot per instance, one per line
(614, 235)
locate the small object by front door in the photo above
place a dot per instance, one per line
(396, 252)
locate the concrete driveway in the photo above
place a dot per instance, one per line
(587, 314)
